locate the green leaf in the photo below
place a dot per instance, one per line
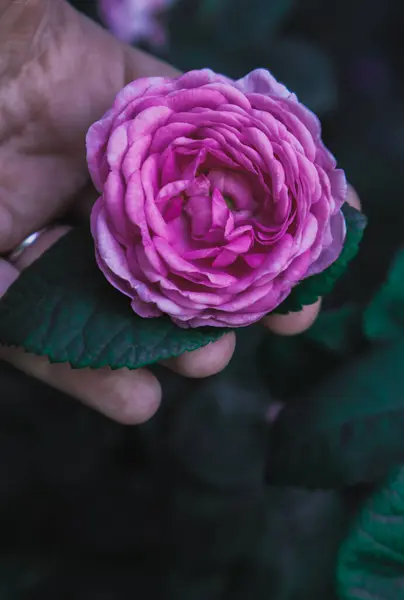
(383, 319)
(312, 356)
(312, 288)
(279, 357)
(337, 330)
(347, 430)
(62, 307)
(371, 559)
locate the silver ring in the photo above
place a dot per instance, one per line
(31, 239)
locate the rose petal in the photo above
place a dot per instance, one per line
(260, 81)
(332, 252)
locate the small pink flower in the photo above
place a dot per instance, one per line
(217, 197)
(134, 20)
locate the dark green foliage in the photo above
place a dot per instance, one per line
(371, 559)
(384, 317)
(338, 331)
(347, 430)
(291, 366)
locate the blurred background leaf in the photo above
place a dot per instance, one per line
(371, 559)
(384, 317)
(347, 430)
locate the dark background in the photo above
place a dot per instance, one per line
(177, 509)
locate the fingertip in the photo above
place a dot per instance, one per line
(128, 397)
(134, 398)
(206, 361)
(293, 323)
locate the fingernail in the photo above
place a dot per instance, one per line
(293, 323)
(205, 361)
(8, 274)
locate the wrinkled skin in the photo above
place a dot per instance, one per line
(59, 72)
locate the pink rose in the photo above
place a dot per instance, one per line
(217, 197)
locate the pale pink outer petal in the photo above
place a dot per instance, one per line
(331, 253)
(109, 255)
(260, 81)
(96, 141)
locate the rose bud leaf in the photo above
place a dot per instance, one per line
(383, 320)
(347, 430)
(370, 560)
(62, 307)
(311, 289)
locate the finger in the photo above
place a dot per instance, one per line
(295, 323)
(206, 361)
(128, 397)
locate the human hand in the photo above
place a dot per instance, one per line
(59, 73)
